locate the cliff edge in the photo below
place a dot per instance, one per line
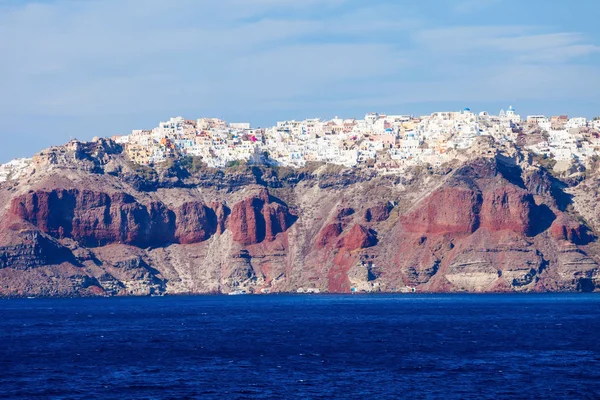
(81, 220)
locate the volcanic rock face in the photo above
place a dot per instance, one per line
(462, 211)
(221, 212)
(195, 223)
(256, 219)
(378, 213)
(24, 248)
(483, 225)
(511, 208)
(485, 234)
(453, 210)
(358, 237)
(328, 235)
(96, 219)
(564, 228)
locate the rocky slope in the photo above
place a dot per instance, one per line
(83, 221)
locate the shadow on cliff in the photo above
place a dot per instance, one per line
(489, 168)
(586, 285)
(541, 220)
(542, 183)
(24, 246)
(510, 171)
(563, 199)
(586, 237)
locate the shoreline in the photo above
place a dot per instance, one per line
(292, 294)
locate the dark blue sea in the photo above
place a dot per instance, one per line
(288, 347)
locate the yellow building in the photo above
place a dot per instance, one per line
(138, 154)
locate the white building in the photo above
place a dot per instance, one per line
(371, 118)
(540, 120)
(124, 139)
(537, 119)
(408, 140)
(512, 115)
(14, 169)
(576, 123)
(240, 125)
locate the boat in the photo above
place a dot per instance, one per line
(237, 292)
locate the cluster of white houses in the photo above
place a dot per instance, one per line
(14, 169)
(386, 142)
(399, 139)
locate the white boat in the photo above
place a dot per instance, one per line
(237, 292)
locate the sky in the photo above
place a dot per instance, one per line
(85, 68)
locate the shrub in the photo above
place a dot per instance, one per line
(193, 164)
(544, 161)
(144, 171)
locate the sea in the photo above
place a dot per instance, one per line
(413, 346)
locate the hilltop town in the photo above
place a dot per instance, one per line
(387, 143)
(453, 201)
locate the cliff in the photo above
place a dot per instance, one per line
(82, 221)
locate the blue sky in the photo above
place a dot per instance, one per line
(77, 68)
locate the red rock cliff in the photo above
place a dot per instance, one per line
(512, 208)
(473, 228)
(96, 219)
(195, 223)
(448, 210)
(259, 218)
(358, 237)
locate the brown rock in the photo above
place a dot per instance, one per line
(22, 248)
(221, 212)
(257, 219)
(456, 210)
(80, 232)
(246, 221)
(358, 237)
(328, 235)
(195, 223)
(378, 213)
(565, 228)
(95, 218)
(277, 219)
(450, 210)
(509, 208)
